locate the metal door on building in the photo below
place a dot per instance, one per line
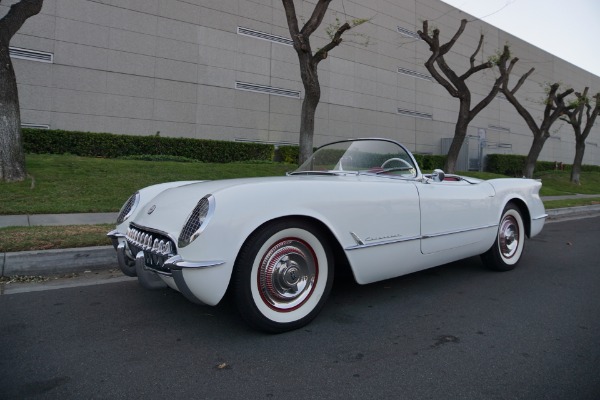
(474, 150)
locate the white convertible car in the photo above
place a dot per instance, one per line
(274, 241)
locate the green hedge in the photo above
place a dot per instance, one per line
(512, 165)
(109, 145)
(288, 154)
(430, 161)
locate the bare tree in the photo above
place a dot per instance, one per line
(575, 118)
(12, 158)
(456, 85)
(309, 63)
(554, 107)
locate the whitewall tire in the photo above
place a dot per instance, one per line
(505, 253)
(283, 275)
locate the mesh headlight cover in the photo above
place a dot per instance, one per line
(197, 220)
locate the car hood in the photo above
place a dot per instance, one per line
(169, 210)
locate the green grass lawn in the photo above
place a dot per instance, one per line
(71, 184)
(554, 183)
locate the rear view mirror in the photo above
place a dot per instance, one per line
(438, 175)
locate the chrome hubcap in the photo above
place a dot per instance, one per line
(508, 237)
(287, 274)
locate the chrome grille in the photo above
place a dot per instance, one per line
(157, 248)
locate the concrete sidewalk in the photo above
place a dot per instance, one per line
(58, 219)
(64, 261)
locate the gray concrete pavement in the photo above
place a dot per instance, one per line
(58, 219)
(64, 261)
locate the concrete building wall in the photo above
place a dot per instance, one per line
(184, 68)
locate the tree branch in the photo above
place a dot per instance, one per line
(434, 46)
(446, 48)
(522, 80)
(472, 58)
(476, 69)
(337, 39)
(292, 21)
(16, 17)
(495, 89)
(316, 18)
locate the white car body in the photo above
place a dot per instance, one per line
(385, 226)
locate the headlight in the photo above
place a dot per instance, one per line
(197, 220)
(129, 207)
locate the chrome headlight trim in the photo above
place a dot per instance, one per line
(197, 221)
(129, 207)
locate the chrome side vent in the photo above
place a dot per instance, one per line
(253, 87)
(31, 55)
(408, 33)
(416, 114)
(414, 74)
(264, 36)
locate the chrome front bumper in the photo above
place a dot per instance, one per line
(152, 266)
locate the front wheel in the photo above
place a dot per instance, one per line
(282, 276)
(507, 249)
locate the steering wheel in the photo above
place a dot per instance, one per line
(406, 163)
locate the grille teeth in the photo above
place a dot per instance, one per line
(149, 242)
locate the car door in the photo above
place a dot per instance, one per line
(455, 214)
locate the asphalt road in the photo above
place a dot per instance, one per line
(452, 332)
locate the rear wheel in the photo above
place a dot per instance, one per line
(505, 253)
(283, 275)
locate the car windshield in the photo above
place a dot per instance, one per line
(361, 156)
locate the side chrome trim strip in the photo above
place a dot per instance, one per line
(363, 246)
(544, 216)
(408, 239)
(434, 235)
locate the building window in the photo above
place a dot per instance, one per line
(408, 33)
(414, 74)
(499, 128)
(34, 126)
(31, 55)
(253, 87)
(264, 36)
(415, 114)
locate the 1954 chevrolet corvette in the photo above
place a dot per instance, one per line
(274, 241)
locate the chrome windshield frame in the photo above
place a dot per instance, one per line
(418, 174)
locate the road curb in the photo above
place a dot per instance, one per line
(60, 261)
(573, 212)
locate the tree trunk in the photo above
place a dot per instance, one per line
(307, 127)
(460, 132)
(579, 152)
(534, 153)
(312, 96)
(12, 158)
